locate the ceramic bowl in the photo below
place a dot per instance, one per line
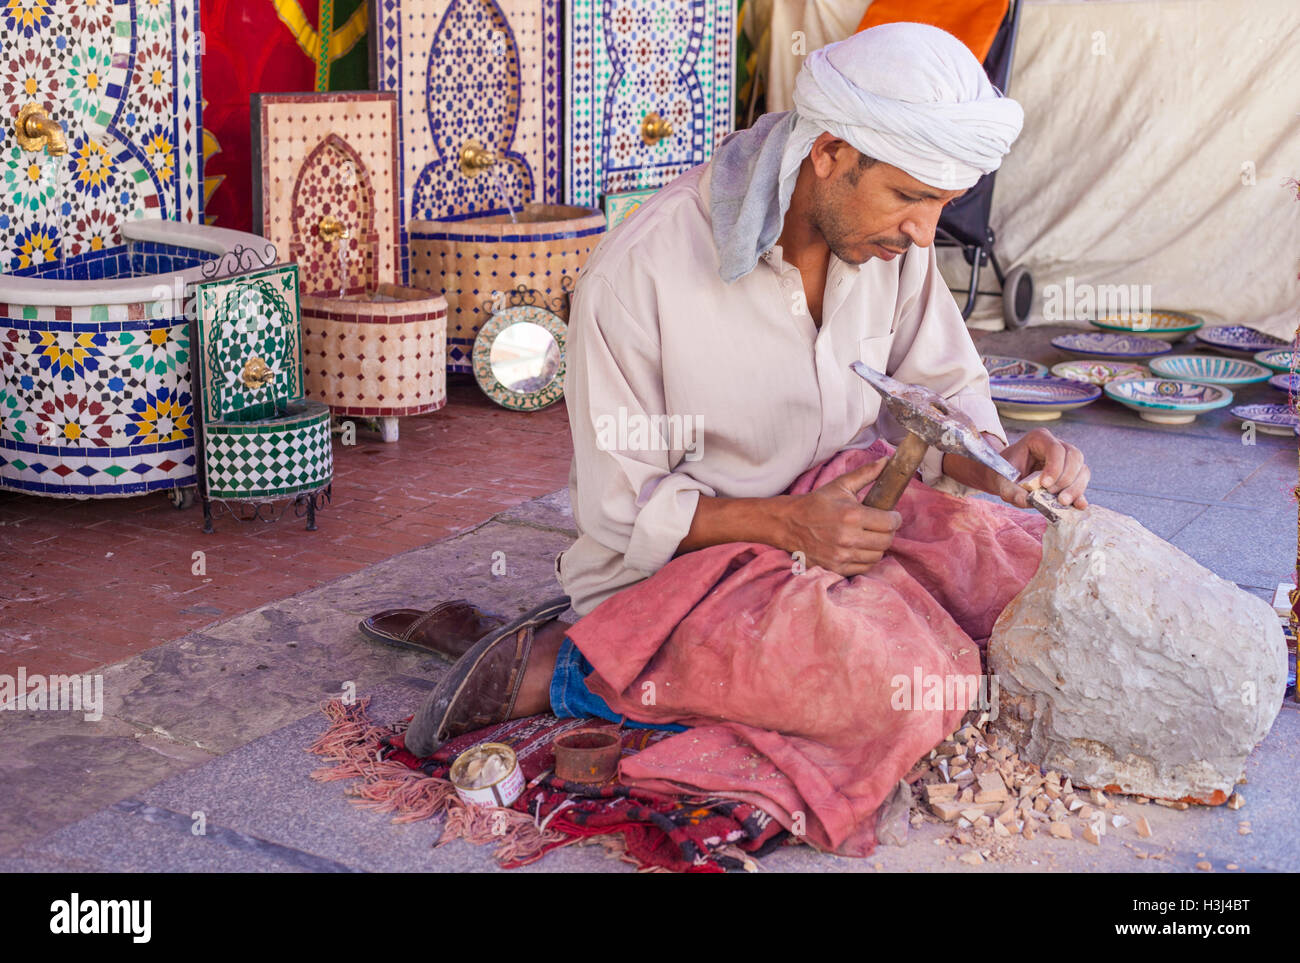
(999, 366)
(1040, 399)
(1167, 402)
(1269, 419)
(1286, 382)
(1099, 372)
(1209, 368)
(1124, 347)
(1279, 359)
(1162, 324)
(1238, 337)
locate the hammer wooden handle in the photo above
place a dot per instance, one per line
(888, 488)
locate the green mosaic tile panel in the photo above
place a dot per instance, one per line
(280, 456)
(245, 320)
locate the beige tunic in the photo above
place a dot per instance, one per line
(679, 385)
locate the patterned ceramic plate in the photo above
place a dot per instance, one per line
(1209, 367)
(1270, 419)
(1002, 367)
(1168, 402)
(1286, 382)
(1238, 337)
(1165, 325)
(1279, 359)
(1099, 372)
(1040, 399)
(1099, 345)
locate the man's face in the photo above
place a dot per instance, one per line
(876, 211)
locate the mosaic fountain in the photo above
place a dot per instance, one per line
(99, 243)
(325, 189)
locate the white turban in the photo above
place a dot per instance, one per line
(907, 94)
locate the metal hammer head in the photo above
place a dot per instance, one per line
(939, 424)
(930, 417)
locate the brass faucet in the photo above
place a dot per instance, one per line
(474, 158)
(255, 373)
(331, 228)
(654, 128)
(35, 129)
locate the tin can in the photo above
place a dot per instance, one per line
(504, 780)
(587, 755)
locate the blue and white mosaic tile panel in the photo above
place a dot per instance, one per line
(626, 59)
(472, 70)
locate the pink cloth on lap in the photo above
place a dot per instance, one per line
(786, 678)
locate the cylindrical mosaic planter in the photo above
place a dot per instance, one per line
(376, 355)
(472, 260)
(94, 401)
(271, 458)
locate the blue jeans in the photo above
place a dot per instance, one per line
(571, 699)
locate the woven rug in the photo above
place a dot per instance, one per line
(653, 831)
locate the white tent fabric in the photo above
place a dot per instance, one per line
(1158, 138)
(798, 28)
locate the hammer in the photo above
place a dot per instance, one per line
(930, 420)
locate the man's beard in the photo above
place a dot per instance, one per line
(835, 235)
(835, 228)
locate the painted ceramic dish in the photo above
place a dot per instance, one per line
(1209, 368)
(1099, 372)
(1165, 325)
(1238, 337)
(1166, 402)
(1040, 399)
(1286, 382)
(1002, 367)
(1279, 359)
(1121, 346)
(1270, 419)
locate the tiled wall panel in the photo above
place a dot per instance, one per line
(329, 155)
(121, 77)
(246, 319)
(628, 58)
(472, 70)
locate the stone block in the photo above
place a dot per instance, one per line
(1124, 664)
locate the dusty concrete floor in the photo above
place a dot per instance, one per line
(215, 723)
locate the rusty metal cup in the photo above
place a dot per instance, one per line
(587, 755)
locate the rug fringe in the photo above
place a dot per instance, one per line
(352, 744)
(518, 835)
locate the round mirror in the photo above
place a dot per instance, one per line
(519, 358)
(525, 357)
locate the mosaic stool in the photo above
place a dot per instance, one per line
(261, 439)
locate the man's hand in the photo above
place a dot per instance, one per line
(829, 525)
(1063, 472)
(835, 530)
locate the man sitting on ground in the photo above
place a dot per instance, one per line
(732, 572)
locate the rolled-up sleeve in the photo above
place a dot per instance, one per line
(932, 347)
(631, 491)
